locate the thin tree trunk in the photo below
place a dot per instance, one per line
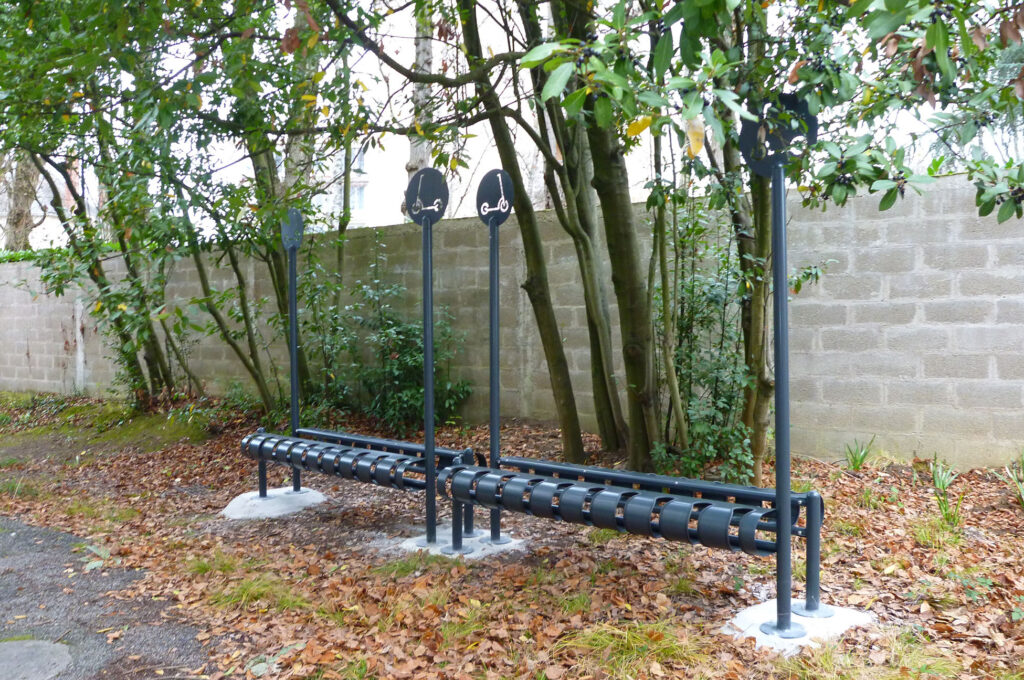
(127, 357)
(536, 284)
(419, 147)
(612, 183)
(22, 196)
(578, 217)
(667, 313)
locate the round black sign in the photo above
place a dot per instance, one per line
(767, 141)
(291, 229)
(494, 197)
(427, 196)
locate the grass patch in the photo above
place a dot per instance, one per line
(86, 509)
(100, 509)
(869, 499)
(574, 604)
(626, 651)
(825, 662)
(263, 589)
(9, 463)
(455, 631)
(355, 670)
(602, 536)
(802, 485)
(935, 534)
(17, 638)
(682, 585)
(19, 488)
(417, 562)
(847, 528)
(907, 656)
(544, 575)
(219, 562)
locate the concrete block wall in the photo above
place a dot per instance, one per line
(47, 344)
(916, 333)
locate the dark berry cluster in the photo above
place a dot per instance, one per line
(585, 54)
(940, 11)
(985, 119)
(821, 64)
(1016, 195)
(901, 182)
(845, 179)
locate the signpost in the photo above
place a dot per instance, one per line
(291, 236)
(426, 199)
(494, 205)
(766, 145)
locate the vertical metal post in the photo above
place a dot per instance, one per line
(293, 351)
(495, 361)
(428, 381)
(812, 607)
(469, 531)
(262, 473)
(783, 626)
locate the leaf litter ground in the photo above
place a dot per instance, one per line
(317, 595)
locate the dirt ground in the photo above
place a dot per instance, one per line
(317, 596)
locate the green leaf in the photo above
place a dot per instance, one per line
(881, 23)
(557, 81)
(681, 83)
(663, 54)
(540, 54)
(1006, 210)
(839, 192)
(858, 8)
(673, 15)
(573, 103)
(889, 199)
(619, 15)
(603, 112)
(936, 37)
(986, 208)
(715, 124)
(652, 99)
(882, 184)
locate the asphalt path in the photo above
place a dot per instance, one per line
(59, 621)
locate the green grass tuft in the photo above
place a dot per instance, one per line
(417, 562)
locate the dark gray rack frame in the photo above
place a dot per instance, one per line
(753, 520)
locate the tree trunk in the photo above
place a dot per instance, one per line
(612, 184)
(752, 225)
(536, 284)
(571, 180)
(419, 147)
(22, 196)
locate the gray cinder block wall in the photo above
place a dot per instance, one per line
(915, 335)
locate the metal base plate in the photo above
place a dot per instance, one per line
(450, 550)
(795, 630)
(823, 611)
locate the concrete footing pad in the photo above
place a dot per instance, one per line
(33, 659)
(279, 502)
(475, 547)
(748, 624)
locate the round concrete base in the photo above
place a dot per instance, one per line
(278, 503)
(33, 659)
